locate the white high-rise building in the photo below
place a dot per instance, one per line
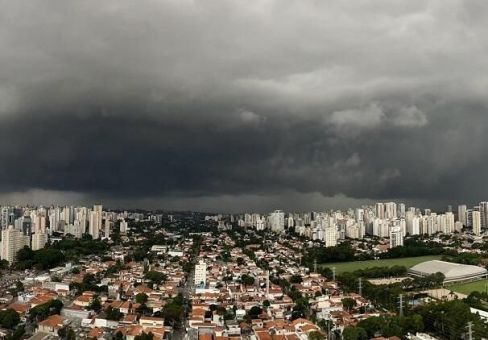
(484, 214)
(396, 237)
(380, 210)
(108, 225)
(95, 223)
(462, 213)
(390, 210)
(476, 216)
(330, 236)
(39, 223)
(12, 241)
(123, 226)
(401, 209)
(450, 226)
(39, 240)
(277, 221)
(201, 274)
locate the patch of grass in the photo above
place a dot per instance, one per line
(466, 288)
(342, 267)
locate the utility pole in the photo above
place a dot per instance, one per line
(315, 265)
(333, 273)
(401, 305)
(360, 286)
(470, 330)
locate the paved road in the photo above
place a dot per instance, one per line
(180, 334)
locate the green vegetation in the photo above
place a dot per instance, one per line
(9, 318)
(144, 336)
(408, 262)
(414, 247)
(464, 258)
(90, 283)
(141, 298)
(341, 253)
(41, 312)
(156, 277)
(113, 314)
(41, 259)
(73, 249)
(173, 310)
(467, 288)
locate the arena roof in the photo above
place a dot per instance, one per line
(452, 271)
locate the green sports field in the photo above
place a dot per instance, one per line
(466, 288)
(408, 262)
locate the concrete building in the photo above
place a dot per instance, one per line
(12, 241)
(277, 221)
(396, 237)
(476, 221)
(200, 274)
(39, 240)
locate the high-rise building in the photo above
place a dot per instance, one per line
(108, 225)
(401, 210)
(12, 241)
(39, 240)
(390, 210)
(200, 274)
(95, 222)
(5, 213)
(462, 213)
(123, 226)
(484, 214)
(396, 237)
(330, 236)
(277, 221)
(380, 210)
(476, 216)
(359, 215)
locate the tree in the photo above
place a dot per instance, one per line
(315, 336)
(4, 264)
(17, 334)
(247, 280)
(144, 336)
(95, 305)
(296, 279)
(254, 312)
(141, 298)
(156, 277)
(349, 303)
(9, 318)
(354, 333)
(113, 314)
(240, 261)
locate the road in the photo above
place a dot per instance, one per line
(186, 289)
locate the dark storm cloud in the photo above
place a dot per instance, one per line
(184, 101)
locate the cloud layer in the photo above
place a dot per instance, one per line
(210, 101)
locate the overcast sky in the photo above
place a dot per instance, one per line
(230, 105)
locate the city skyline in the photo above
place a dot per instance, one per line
(233, 106)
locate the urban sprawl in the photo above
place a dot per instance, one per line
(385, 271)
